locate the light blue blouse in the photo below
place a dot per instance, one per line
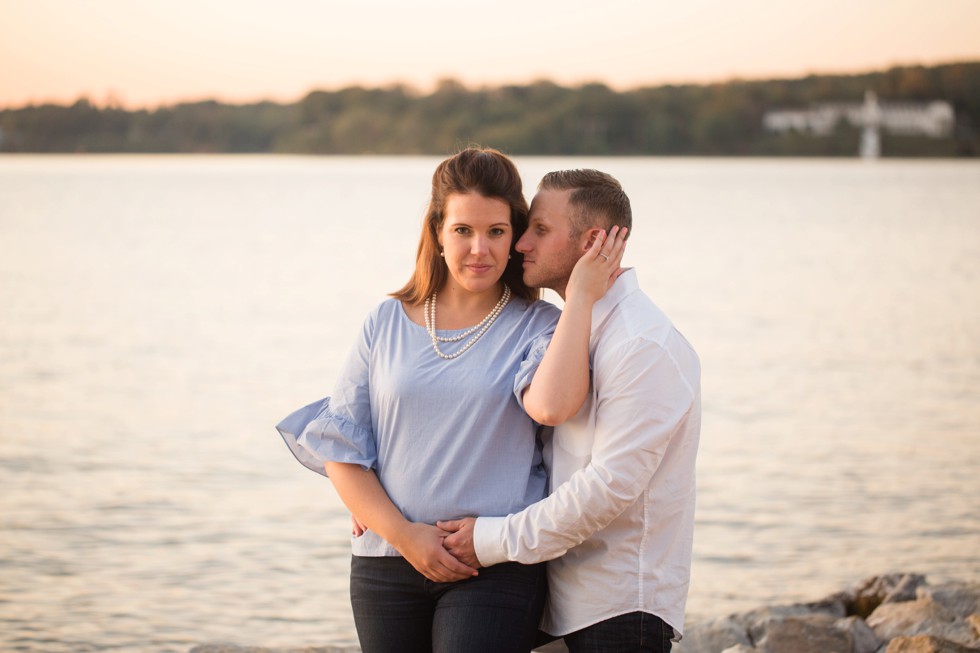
(447, 438)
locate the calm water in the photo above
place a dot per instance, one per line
(158, 315)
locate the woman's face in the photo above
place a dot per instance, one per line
(475, 237)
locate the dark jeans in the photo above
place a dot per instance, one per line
(627, 633)
(397, 609)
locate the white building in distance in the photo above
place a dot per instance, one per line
(934, 119)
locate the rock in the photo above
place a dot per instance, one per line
(712, 636)
(756, 621)
(921, 617)
(925, 644)
(908, 618)
(805, 635)
(863, 598)
(974, 621)
(738, 648)
(962, 599)
(864, 639)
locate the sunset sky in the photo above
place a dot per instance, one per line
(147, 53)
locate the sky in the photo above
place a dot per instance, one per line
(146, 53)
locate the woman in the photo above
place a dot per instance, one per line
(425, 423)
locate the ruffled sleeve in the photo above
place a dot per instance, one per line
(338, 428)
(292, 427)
(315, 435)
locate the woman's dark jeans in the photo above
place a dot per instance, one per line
(397, 609)
(635, 632)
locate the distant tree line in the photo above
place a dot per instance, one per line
(538, 118)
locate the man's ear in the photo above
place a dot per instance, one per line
(588, 237)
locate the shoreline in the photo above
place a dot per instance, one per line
(892, 613)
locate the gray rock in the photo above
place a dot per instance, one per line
(925, 644)
(738, 648)
(755, 622)
(961, 632)
(922, 617)
(712, 637)
(909, 618)
(864, 639)
(863, 598)
(812, 634)
(962, 599)
(906, 588)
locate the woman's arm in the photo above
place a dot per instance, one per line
(561, 383)
(421, 544)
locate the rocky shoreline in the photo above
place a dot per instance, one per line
(895, 613)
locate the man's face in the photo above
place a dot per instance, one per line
(548, 249)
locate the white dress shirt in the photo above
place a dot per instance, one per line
(618, 525)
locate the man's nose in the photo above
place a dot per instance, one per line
(522, 244)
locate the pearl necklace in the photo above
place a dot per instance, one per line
(479, 329)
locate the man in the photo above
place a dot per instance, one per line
(618, 525)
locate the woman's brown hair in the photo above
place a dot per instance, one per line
(474, 170)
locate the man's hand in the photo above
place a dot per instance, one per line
(460, 543)
(357, 528)
(422, 546)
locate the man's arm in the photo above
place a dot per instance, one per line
(638, 413)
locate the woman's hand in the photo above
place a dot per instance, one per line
(598, 268)
(422, 546)
(561, 383)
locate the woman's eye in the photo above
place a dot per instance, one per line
(462, 230)
(497, 232)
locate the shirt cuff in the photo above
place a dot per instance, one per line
(488, 540)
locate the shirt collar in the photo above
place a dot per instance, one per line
(626, 284)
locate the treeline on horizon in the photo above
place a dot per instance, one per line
(539, 118)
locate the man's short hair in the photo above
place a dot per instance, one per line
(597, 199)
